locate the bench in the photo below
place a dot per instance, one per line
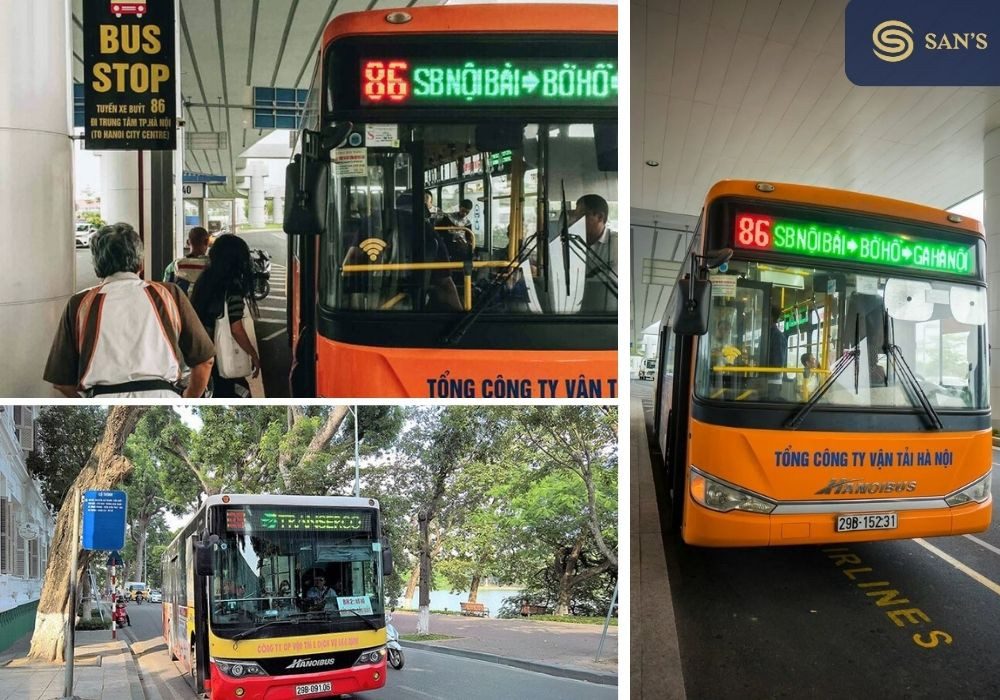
(528, 610)
(477, 609)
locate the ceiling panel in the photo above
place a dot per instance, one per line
(756, 89)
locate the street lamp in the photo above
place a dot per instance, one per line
(357, 465)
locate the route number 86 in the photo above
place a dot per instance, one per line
(386, 79)
(752, 231)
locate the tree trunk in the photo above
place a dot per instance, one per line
(106, 468)
(86, 599)
(474, 588)
(424, 616)
(411, 585)
(567, 565)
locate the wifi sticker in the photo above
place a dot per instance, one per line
(372, 246)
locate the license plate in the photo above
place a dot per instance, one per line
(866, 521)
(310, 688)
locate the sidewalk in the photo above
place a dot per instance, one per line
(103, 668)
(655, 652)
(557, 648)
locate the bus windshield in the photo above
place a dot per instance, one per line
(777, 332)
(424, 218)
(315, 568)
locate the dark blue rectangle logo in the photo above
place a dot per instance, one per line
(922, 42)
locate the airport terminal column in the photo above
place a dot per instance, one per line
(279, 208)
(991, 222)
(120, 191)
(256, 173)
(36, 187)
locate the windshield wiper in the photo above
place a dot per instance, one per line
(911, 384)
(366, 620)
(849, 358)
(246, 633)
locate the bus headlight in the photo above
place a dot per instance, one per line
(372, 656)
(239, 668)
(724, 498)
(977, 491)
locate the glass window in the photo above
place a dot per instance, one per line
(777, 333)
(296, 565)
(387, 250)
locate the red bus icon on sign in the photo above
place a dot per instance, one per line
(128, 8)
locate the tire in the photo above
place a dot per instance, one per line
(395, 658)
(261, 289)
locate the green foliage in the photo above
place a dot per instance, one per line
(575, 619)
(65, 437)
(92, 218)
(94, 623)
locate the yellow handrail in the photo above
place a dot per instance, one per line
(765, 370)
(404, 267)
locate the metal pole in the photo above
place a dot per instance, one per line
(71, 621)
(607, 621)
(178, 238)
(357, 466)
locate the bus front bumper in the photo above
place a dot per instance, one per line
(708, 528)
(342, 682)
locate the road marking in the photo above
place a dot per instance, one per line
(271, 308)
(968, 571)
(420, 692)
(279, 236)
(987, 545)
(272, 321)
(275, 334)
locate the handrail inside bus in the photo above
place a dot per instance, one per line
(765, 370)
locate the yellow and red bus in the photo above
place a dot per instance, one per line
(436, 248)
(828, 382)
(278, 596)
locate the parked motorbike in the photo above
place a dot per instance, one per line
(261, 261)
(120, 613)
(394, 651)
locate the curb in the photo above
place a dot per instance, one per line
(135, 687)
(560, 671)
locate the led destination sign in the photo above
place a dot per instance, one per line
(286, 519)
(516, 82)
(781, 235)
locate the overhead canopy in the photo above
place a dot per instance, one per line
(229, 47)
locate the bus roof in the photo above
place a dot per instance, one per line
(477, 19)
(842, 199)
(277, 499)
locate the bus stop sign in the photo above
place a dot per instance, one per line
(104, 519)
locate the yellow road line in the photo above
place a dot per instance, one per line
(971, 573)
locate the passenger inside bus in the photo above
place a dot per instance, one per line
(488, 190)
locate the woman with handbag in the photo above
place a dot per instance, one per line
(223, 299)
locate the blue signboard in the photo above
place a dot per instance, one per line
(104, 519)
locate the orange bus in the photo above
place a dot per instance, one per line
(436, 244)
(823, 371)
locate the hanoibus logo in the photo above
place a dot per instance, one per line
(893, 41)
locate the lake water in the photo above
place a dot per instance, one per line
(492, 598)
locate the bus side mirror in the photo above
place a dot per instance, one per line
(306, 196)
(204, 564)
(691, 311)
(387, 566)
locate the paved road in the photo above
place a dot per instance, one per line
(914, 618)
(271, 326)
(426, 675)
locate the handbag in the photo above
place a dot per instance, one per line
(232, 360)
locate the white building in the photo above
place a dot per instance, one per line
(26, 526)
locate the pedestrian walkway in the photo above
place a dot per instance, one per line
(654, 649)
(103, 668)
(557, 648)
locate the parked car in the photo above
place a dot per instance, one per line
(83, 233)
(155, 597)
